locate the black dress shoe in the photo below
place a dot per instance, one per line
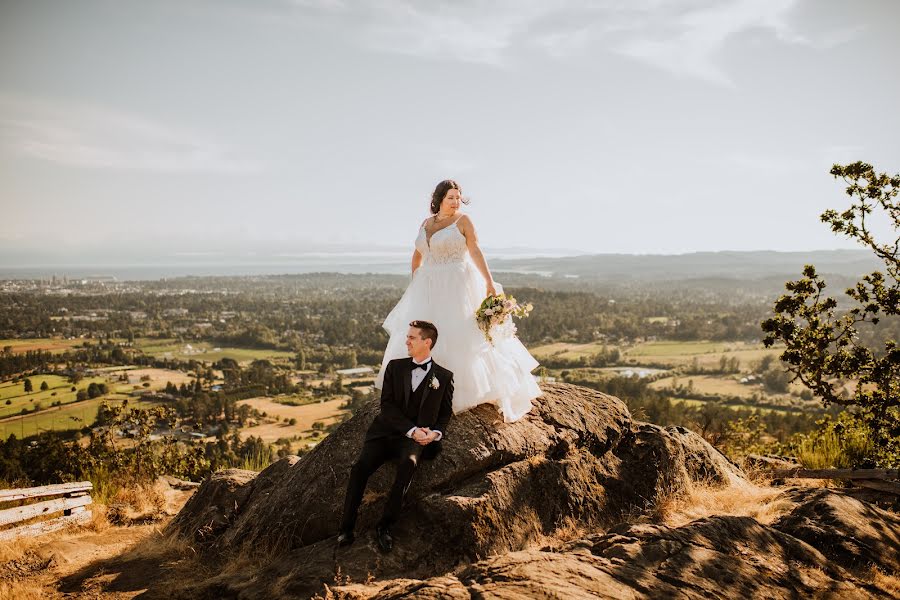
(384, 538)
(345, 538)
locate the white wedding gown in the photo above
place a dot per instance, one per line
(446, 290)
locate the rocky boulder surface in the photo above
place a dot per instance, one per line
(476, 517)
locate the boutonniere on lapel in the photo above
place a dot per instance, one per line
(434, 384)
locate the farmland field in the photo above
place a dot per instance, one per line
(568, 350)
(61, 418)
(727, 385)
(707, 353)
(157, 379)
(327, 412)
(204, 351)
(763, 410)
(14, 393)
(723, 385)
(668, 353)
(55, 345)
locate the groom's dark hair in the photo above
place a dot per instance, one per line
(429, 331)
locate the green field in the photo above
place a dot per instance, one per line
(726, 385)
(763, 410)
(721, 385)
(62, 418)
(675, 354)
(18, 399)
(567, 350)
(55, 345)
(114, 368)
(668, 353)
(204, 351)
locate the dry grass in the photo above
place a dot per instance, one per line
(15, 549)
(567, 530)
(886, 582)
(743, 499)
(98, 554)
(22, 590)
(163, 546)
(307, 414)
(144, 503)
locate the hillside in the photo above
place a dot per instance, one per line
(566, 501)
(576, 500)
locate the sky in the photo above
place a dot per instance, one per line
(193, 127)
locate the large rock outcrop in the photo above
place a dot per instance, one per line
(716, 557)
(846, 530)
(576, 467)
(577, 460)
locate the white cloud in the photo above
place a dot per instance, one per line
(689, 43)
(99, 138)
(464, 31)
(683, 37)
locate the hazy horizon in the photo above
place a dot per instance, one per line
(727, 264)
(138, 130)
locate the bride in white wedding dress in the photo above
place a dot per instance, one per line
(450, 278)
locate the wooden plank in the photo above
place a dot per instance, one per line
(45, 526)
(45, 490)
(839, 473)
(881, 486)
(29, 511)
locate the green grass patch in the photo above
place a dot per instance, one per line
(706, 354)
(678, 348)
(734, 406)
(62, 418)
(18, 399)
(569, 351)
(54, 345)
(205, 351)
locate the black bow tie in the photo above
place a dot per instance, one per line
(423, 366)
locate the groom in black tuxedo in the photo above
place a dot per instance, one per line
(416, 406)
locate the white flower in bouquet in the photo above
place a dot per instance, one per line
(496, 310)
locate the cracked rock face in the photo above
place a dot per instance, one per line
(577, 459)
(717, 557)
(846, 530)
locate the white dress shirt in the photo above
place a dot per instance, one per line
(418, 376)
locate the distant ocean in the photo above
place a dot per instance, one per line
(609, 267)
(160, 271)
(343, 262)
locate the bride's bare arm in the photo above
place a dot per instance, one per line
(416, 261)
(468, 230)
(417, 256)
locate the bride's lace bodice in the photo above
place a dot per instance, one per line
(447, 245)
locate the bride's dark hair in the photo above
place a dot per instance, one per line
(441, 190)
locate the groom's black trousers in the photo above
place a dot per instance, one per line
(374, 454)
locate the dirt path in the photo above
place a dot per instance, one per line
(98, 561)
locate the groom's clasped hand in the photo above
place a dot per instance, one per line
(424, 436)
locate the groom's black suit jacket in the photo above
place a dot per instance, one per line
(399, 412)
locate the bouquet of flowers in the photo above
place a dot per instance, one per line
(494, 311)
